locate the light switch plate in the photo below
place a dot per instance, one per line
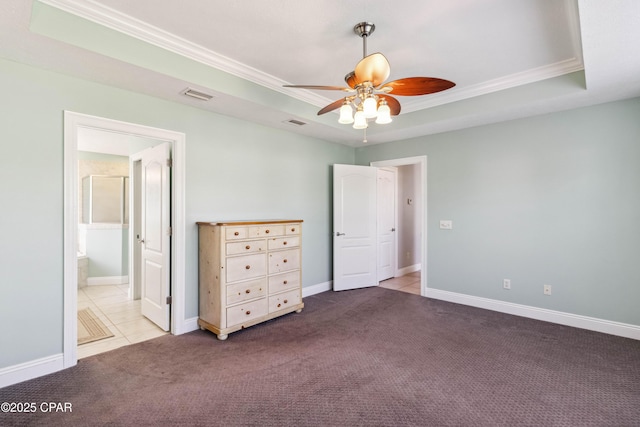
(446, 224)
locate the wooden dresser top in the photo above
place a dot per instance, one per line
(251, 222)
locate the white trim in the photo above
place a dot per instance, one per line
(32, 369)
(189, 325)
(141, 30)
(307, 291)
(507, 82)
(408, 269)
(155, 36)
(107, 280)
(559, 317)
(422, 161)
(72, 122)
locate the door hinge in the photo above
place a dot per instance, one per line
(169, 231)
(169, 163)
(168, 300)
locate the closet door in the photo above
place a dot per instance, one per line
(354, 225)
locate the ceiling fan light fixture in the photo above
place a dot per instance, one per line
(372, 98)
(346, 114)
(360, 121)
(384, 113)
(369, 107)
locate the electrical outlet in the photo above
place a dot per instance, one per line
(506, 283)
(547, 289)
(446, 224)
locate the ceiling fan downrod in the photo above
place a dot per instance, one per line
(364, 30)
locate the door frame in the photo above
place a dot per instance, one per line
(422, 162)
(72, 122)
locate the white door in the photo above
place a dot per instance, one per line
(386, 223)
(354, 227)
(155, 237)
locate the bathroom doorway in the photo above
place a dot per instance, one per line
(109, 308)
(108, 135)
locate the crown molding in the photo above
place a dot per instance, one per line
(489, 86)
(117, 21)
(125, 24)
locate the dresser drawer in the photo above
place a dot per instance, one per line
(246, 311)
(266, 230)
(284, 300)
(280, 261)
(245, 267)
(284, 281)
(292, 229)
(235, 233)
(244, 291)
(284, 242)
(237, 248)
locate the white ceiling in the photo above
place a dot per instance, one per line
(508, 58)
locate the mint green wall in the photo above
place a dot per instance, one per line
(553, 199)
(234, 169)
(550, 199)
(108, 251)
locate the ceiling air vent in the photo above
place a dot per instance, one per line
(196, 94)
(295, 122)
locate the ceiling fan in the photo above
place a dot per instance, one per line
(369, 94)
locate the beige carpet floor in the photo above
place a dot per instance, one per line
(90, 328)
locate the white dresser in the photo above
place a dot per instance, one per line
(249, 272)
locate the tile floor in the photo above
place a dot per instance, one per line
(408, 283)
(121, 315)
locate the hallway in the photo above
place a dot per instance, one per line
(409, 283)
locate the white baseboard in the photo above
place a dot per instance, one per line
(107, 280)
(559, 317)
(409, 269)
(307, 291)
(32, 369)
(189, 325)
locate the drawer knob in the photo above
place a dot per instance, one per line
(293, 230)
(266, 231)
(279, 305)
(285, 301)
(285, 260)
(248, 291)
(248, 312)
(284, 243)
(285, 282)
(248, 267)
(236, 233)
(247, 247)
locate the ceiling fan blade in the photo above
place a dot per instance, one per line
(331, 107)
(373, 68)
(316, 87)
(413, 86)
(351, 79)
(393, 103)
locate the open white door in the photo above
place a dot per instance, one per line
(354, 225)
(386, 223)
(156, 234)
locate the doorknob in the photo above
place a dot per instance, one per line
(393, 229)
(339, 234)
